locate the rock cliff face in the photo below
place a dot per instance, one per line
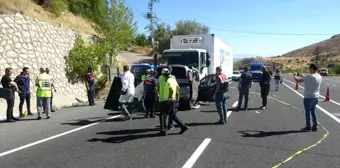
(27, 43)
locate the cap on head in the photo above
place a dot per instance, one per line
(165, 71)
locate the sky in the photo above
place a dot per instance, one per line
(311, 17)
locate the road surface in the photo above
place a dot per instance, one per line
(88, 137)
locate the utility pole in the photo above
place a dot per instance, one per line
(151, 17)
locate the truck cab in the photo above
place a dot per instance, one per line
(256, 71)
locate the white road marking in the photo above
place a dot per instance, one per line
(327, 84)
(337, 103)
(334, 85)
(192, 160)
(257, 112)
(228, 113)
(55, 136)
(336, 114)
(331, 80)
(235, 104)
(320, 108)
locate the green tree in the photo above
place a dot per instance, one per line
(141, 40)
(83, 55)
(163, 35)
(190, 27)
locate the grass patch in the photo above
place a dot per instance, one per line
(33, 11)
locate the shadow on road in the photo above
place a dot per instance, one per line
(260, 134)
(120, 139)
(213, 111)
(133, 134)
(130, 131)
(82, 122)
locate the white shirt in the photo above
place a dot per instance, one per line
(128, 80)
(312, 85)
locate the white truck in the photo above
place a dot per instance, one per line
(203, 52)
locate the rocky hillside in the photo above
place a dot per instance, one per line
(327, 47)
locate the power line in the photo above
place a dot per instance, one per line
(171, 24)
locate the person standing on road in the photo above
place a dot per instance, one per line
(278, 79)
(44, 91)
(23, 82)
(7, 81)
(90, 86)
(265, 86)
(55, 90)
(171, 93)
(311, 95)
(150, 84)
(220, 95)
(127, 92)
(244, 85)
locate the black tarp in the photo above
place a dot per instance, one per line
(112, 102)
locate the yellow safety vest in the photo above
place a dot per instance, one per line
(162, 88)
(143, 77)
(171, 83)
(44, 85)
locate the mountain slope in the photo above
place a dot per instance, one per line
(329, 47)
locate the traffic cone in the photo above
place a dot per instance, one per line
(297, 86)
(327, 95)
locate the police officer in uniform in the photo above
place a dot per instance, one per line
(44, 93)
(243, 87)
(220, 95)
(90, 86)
(150, 84)
(170, 93)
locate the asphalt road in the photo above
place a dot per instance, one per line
(84, 137)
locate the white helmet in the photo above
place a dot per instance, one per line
(165, 71)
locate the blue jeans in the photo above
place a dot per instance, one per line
(277, 84)
(221, 105)
(310, 104)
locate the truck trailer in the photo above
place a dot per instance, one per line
(202, 52)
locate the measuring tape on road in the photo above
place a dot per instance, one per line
(301, 150)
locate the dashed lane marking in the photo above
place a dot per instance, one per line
(192, 160)
(55, 136)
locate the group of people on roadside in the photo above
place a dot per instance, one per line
(311, 91)
(44, 92)
(165, 90)
(21, 85)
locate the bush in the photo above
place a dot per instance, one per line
(84, 55)
(141, 40)
(59, 6)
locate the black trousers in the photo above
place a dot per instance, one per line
(90, 96)
(149, 102)
(25, 97)
(243, 92)
(10, 106)
(169, 108)
(264, 94)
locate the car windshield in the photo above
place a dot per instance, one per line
(255, 68)
(181, 58)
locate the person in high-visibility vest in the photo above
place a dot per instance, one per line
(169, 93)
(44, 93)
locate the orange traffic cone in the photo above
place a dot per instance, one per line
(297, 86)
(327, 95)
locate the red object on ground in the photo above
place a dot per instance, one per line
(327, 99)
(297, 86)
